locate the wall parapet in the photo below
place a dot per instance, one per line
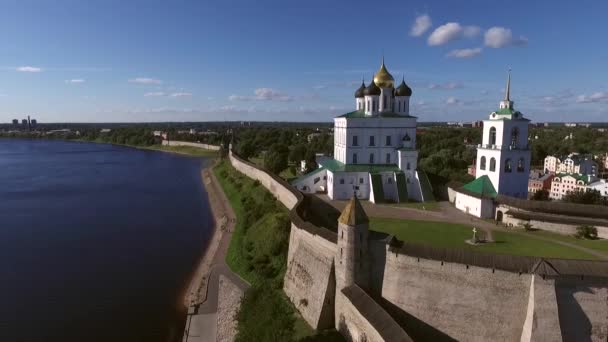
(560, 208)
(504, 262)
(191, 144)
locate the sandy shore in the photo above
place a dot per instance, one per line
(197, 290)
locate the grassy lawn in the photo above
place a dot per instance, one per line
(188, 150)
(431, 205)
(452, 235)
(600, 245)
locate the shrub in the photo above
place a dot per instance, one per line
(586, 232)
(527, 226)
(264, 315)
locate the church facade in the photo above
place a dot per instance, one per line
(503, 161)
(375, 154)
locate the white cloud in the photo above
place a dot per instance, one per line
(29, 69)
(446, 86)
(451, 31)
(600, 96)
(421, 25)
(500, 37)
(464, 53)
(145, 80)
(263, 94)
(182, 94)
(154, 94)
(452, 100)
(75, 81)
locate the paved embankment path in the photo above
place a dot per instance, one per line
(202, 320)
(448, 213)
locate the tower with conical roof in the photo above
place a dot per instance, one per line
(352, 264)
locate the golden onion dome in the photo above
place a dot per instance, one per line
(383, 78)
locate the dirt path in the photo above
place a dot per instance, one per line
(449, 213)
(202, 299)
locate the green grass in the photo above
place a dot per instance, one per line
(600, 245)
(431, 205)
(258, 253)
(442, 234)
(187, 150)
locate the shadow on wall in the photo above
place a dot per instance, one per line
(319, 213)
(415, 328)
(573, 321)
(377, 252)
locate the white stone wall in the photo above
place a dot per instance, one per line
(186, 143)
(466, 303)
(312, 184)
(477, 207)
(561, 228)
(280, 191)
(344, 190)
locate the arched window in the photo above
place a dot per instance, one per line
(354, 158)
(482, 163)
(492, 164)
(492, 138)
(520, 165)
(371, 158)
(508, 166)
(514, 136)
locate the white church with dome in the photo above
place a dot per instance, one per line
(375, 154)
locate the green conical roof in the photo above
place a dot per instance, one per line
(482, 187)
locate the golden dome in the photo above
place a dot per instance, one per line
(383, 78)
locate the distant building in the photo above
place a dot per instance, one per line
(599, 185)
(573, 163)
(539, 181)
(105, 130)
(570, 124)
(478, 124)
(311, 136)
(563, 183)
(471, 170)
(33, 123)
(15, 122)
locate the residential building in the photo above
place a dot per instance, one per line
(573, 163)
(600, 185)
(563, 183)
(539, 181)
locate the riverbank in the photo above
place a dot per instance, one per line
(197, 290)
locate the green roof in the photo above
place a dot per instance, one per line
(506, 111)
(481, 187)
(336, 166)
(359, 114)
(576, 176)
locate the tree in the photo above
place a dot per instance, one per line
(541, 195)
(297, 153)
(585, 197)
(246, 149)
(275, 160)
(586, 232)
(311, 161)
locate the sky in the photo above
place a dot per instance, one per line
(142, 61)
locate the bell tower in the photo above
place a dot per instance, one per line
(504, 155)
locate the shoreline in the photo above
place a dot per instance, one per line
(196, 291)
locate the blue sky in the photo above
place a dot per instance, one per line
(101, 61)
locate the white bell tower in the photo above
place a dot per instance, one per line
(504, 154)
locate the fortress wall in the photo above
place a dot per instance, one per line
(583, 308)
(186, 143)
(281, 190)
(309, 280)
(474, 304)
(542, 322)
(360, 318)
(561, 228)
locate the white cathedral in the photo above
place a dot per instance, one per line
(503, 161)
(375, 154)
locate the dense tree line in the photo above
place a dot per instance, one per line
(552, 141)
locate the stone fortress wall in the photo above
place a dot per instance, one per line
(191, 144)
(425, 293)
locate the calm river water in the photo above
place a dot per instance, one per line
(96, 241)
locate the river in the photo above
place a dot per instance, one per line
(97, 242)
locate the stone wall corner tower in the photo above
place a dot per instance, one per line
(352, 264)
